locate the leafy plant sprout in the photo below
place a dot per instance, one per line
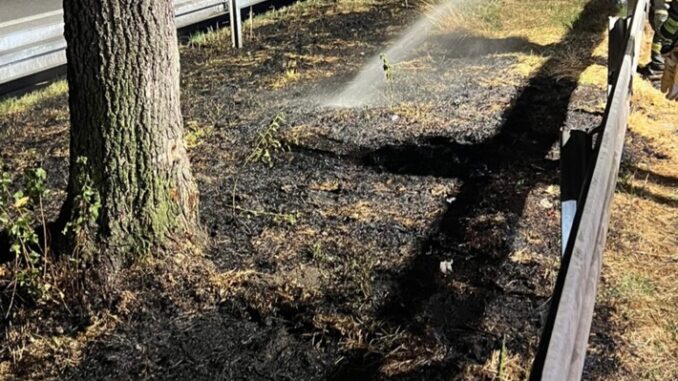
(387, 68)
(87, 208)
(19, 211)
(266, 147)
(268, 144)
(22, 216)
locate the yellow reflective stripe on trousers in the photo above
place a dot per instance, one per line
(671, 26)
(657, 47)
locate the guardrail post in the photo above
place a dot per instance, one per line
(236, 23)
(575, 155)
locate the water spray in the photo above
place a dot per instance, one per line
(366, 87)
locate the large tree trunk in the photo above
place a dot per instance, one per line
(123, 75)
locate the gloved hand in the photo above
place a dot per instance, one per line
(670, 77)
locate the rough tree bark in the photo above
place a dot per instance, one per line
(123, 75)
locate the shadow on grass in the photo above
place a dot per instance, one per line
(423, 301)
(643, 192)
(476, 46)
(657, 178)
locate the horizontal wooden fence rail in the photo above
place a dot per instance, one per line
(590, 166)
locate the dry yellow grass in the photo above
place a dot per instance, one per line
(639, 283)
(594, 75)
(641, 261)
(542, 22)
(527, 65)
(287, 78)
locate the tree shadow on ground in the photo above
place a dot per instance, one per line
(645, 193)
(424, 302)
(657, 178)
(468, 46)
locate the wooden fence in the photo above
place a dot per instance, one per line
(588, 195)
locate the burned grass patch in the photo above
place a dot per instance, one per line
(456, 166)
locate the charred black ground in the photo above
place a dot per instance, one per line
(324, 264)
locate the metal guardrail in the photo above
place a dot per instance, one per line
(590, 161)
(36, 44)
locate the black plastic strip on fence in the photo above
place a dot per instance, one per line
(564, 341)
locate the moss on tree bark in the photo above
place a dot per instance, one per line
(123, 75)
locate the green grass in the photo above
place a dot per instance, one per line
(633, 286)
(489, 12)
(195, 134)
(672, 329)
(567, 14)
(28, 101)
(208, 37)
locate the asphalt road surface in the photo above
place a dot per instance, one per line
(11, 10)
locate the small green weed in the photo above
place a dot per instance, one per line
(20, 211)
(501, 371)
(268, 144)
(195, 134)
(205, 38)
(361, 269)
(625, 181)
(387, 67)
(632, 286)
(86, 208)
(265, 148)
(318, 253)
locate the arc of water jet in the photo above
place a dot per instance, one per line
(369, 82)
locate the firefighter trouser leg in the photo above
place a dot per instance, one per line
(658, 15)
(668, 33)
